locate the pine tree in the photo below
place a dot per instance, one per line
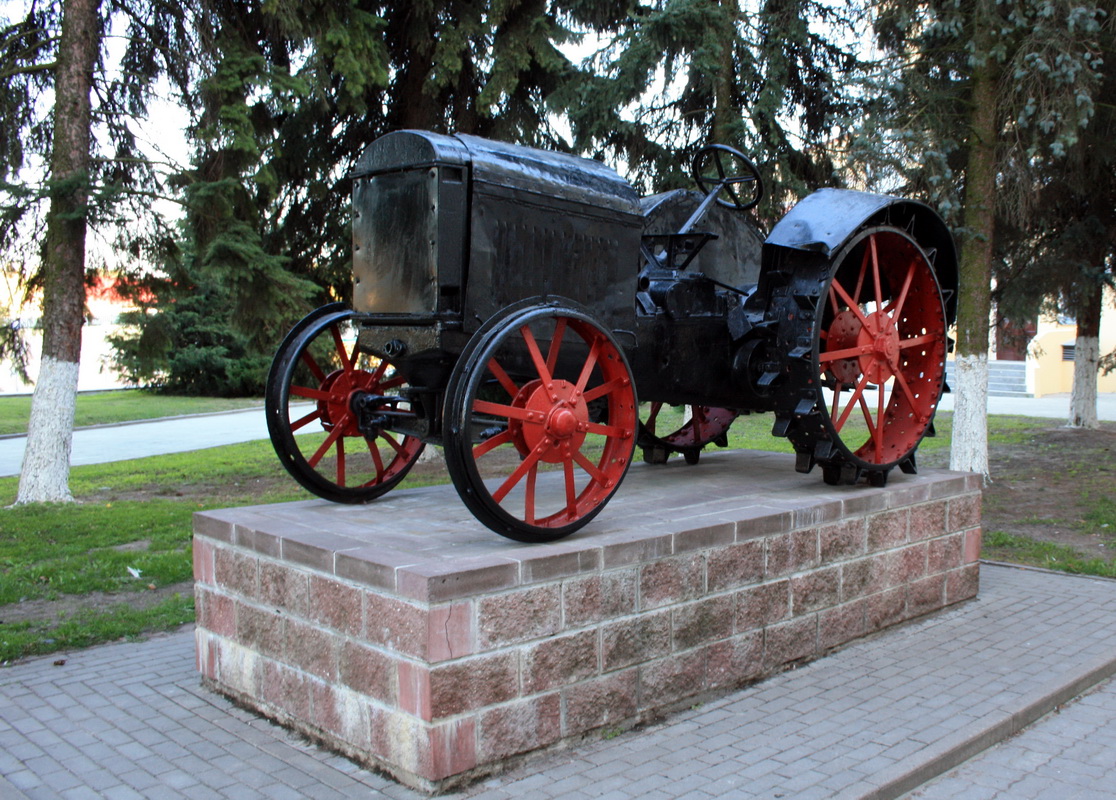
(976, 93)
(769, 78)
(1064, 258)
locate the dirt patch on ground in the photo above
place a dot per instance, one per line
(1046, 480)
(1045, 488)
(67, 605)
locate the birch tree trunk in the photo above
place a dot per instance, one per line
(1086, 361)
(46, 463)
(969, 446)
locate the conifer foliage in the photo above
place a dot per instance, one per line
(976, 99)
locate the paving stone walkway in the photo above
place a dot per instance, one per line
(875, 719)
(1070, 754)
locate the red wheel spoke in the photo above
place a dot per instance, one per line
(529, 496)
(571, 487)
(852, 304)
(590, 362)
(833, 302)
(312, 364)
(307, 392)
(867, 416)
(847, 352)
(610, 387)
(655, 409)
(876, 271)
(696, 415)
(391, 383)
(525, 465)
(606, 430)
(501, 410)
(856, 395)
(501, 376)
(895, 308)
(902, 381)
(860, 278)
(878, 435)
(341, 461)
(916, 341)
(582, 461)
(394, 445)
(555, 344)
(836, 400)
(374, 451)
(303, 421)
(536, 356)
(342, 353)
(378, 373)
(334, 435)
(490, 444)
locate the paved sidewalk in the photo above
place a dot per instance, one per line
(875, 719)
(1070, 755)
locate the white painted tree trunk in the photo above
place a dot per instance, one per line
(45, 476)
(969, 446)
(1083, 398)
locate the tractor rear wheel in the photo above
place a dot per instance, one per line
(865, 391)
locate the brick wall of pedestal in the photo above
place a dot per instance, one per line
(431, 670)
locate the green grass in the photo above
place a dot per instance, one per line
(1101, 518)
(48, 550)
(1001, 546)
(87, 628)
(100, 408)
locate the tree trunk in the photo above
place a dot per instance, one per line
(46, 462)
(969, 446)
(1086, 360)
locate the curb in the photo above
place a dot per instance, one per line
(9, 791)
(955, 749)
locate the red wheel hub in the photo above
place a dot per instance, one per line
(341, 386)
(558, 418)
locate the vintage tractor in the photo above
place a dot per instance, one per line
(508, 304)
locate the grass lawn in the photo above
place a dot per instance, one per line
(99, 408)
(118, 562)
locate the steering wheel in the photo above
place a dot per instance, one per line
(718, 166)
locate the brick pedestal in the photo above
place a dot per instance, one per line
(409, 637)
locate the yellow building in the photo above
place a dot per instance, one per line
(1050, 354)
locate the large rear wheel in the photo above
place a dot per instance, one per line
(878, 360)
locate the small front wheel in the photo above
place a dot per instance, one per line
(315, 379)
(540, 421)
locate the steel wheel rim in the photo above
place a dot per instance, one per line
(899, 345)
(322, 367)
(546, 414)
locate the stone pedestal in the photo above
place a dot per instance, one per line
(409, 637)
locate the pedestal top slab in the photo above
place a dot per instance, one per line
(423, 544)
